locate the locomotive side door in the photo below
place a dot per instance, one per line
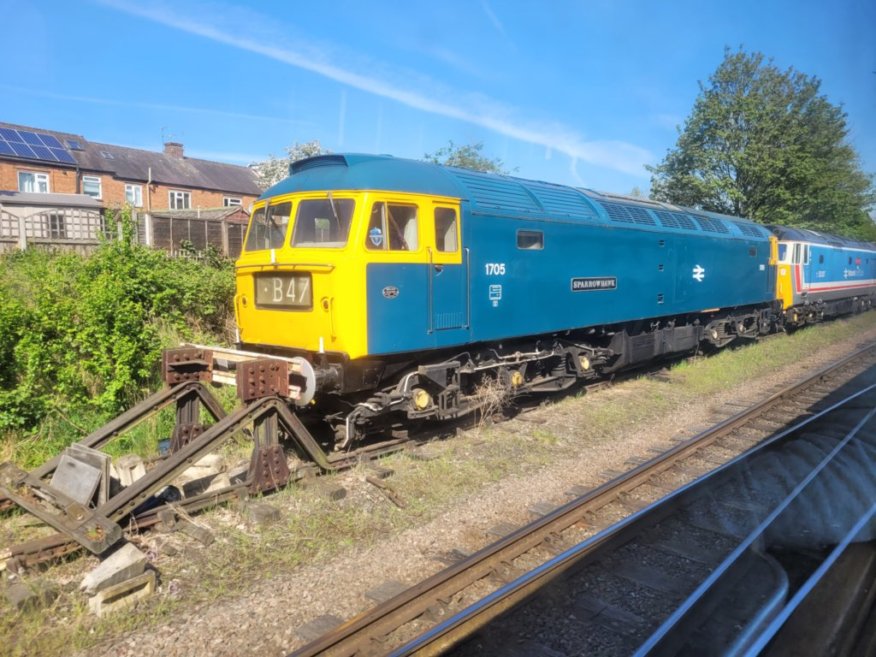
(448, 276)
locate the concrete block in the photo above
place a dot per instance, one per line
(130, 468)
(214, 462)
(260, 513)
(201, 534)
(238, 473)
(121, 565)
(123, 594)
(220, 481)
(325, 488)
(75, 479)
(31, 595)
(201, 472)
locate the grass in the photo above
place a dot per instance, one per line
(314, 529)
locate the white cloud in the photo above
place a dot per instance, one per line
(110, 102)
(256, 34)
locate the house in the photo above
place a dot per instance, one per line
(54, 187)
(35, 160)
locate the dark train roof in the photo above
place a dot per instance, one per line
(502, 195)
(805, 235)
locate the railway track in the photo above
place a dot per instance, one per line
(55, 546)
(539, 552)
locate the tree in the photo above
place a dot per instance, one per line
(763, 143)
(466, 157)
(273, 170)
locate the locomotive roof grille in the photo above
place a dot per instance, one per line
(709, 224)
(628, 214)
(749, 229)
(675, 220)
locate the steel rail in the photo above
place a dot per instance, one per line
(366, 631)
(673, 624)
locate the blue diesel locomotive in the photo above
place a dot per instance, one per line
(410, 287)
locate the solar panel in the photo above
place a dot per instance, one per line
(63, 156)
(50, 141)
(43, 153)
(23, 150)
(30, 138)
(10, 135)
(34, 146)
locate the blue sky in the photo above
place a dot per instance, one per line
(583, 93)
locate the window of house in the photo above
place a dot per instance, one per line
(31, 181)
(231, 201)
(91, 186)
(178, 200)
(134, 195)
(392, 227)
(530, 239)
(56, 226)
(445, 229)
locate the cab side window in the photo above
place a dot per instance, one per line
(392, 227)
(445, 230)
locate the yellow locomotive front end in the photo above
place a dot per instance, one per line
(299, 286)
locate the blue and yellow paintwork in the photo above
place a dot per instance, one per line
(657, 261)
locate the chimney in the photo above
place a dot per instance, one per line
(174, 149)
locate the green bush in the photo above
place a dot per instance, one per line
(83, 335)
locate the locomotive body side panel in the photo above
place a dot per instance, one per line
(591, 275)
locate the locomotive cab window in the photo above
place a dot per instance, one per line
(783, 252)
(322, 222)
(530, 239)
(392, 227)
(267, 227)
(445, 230)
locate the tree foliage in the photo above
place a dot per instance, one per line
(273, 170)
(82, 335)
(468, 156)
(764, 143)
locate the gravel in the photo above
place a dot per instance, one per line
(264, 619)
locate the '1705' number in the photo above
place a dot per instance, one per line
(495, 268)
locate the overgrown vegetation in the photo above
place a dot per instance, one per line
(765, 143)
(81, 336)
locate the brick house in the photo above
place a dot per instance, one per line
(34, 160)
(55, 187)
